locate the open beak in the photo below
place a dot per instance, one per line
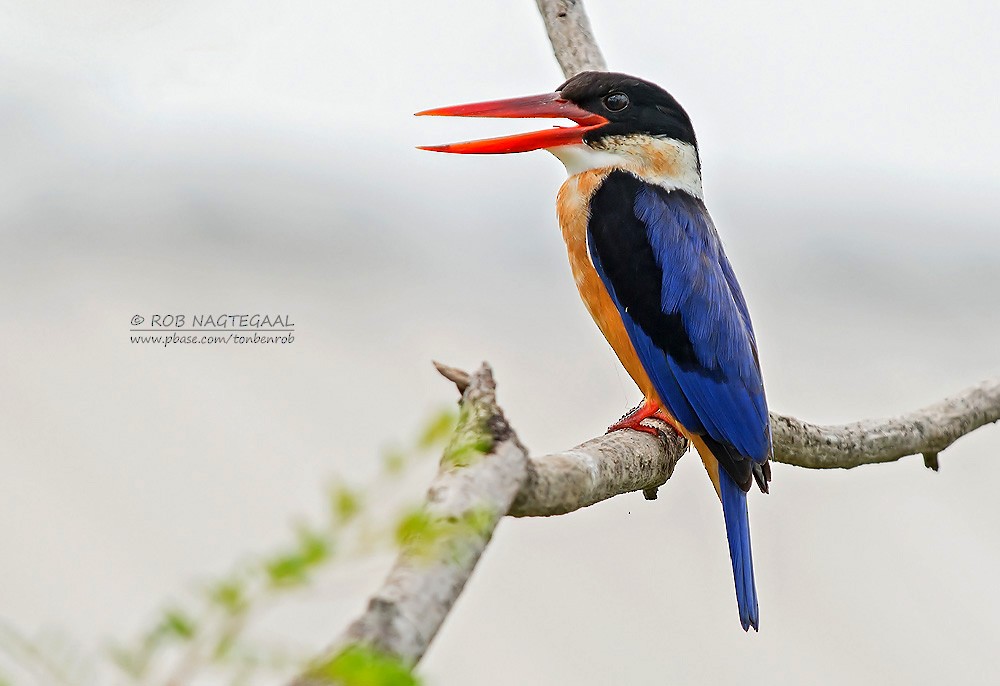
(549, 106)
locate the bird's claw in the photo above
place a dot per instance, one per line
(645, 410)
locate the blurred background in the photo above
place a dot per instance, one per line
(239, 157)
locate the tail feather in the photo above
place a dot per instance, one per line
(734, 507)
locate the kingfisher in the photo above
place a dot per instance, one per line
(651, 270)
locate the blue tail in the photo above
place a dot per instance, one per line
(734, 507)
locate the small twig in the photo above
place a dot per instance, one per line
(457, 376)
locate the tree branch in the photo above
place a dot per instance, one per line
(482, 470)
(599, 469)
(927, 431)
(485, 473)
(571, 37)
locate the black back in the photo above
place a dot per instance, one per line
(624, 256)
(627, 256)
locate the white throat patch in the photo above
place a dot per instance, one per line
(667, 162)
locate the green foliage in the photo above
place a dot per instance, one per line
(437, 430)
(469, 444)
(479, 521)
(419, 532)
(208, 630)
(345, 503)
(426, 536)
(292, 567)
(393, 461)
(177, 625)
(362, 666)
(229, 595)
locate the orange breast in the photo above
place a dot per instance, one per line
(572, 205)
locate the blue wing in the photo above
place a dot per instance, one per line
(660, 258)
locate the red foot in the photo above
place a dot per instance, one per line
(633, 420)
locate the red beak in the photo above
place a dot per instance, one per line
(549, 105)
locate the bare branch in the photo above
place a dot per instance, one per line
(475, 487)
(459, 377)
(481, 472)
(571, 37)
(602, 468)
(599, 469)
(926, 432)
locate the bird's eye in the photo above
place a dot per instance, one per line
(616, 102)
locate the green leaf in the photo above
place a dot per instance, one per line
(286, 570)
(467, 450)
(177, 624)
(424, 535)
(345, 503)
(437, 429)
(361, 666)
(417, 529)
(478, 521)
(230, 595)
(292, 568)
(420, 533)
(314, 546)
(471, 441)
(393, 461)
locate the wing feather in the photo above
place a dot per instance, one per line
(658, 254)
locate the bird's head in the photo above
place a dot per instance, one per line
(622, 122)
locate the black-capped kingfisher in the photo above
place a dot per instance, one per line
(652, 272)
